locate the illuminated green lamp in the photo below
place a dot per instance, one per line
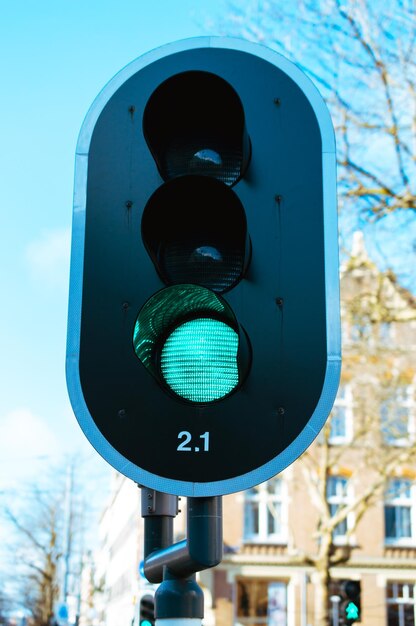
(199, 360)
(189, 340)
(352, 611)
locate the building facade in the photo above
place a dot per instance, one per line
(118, 557)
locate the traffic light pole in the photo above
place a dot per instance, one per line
(175, 565)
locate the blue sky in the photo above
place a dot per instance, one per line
(56, 55)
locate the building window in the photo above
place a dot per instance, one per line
(399, 511)
(261, 602)
(337, 495)
(341, 417)
(397, 423)
(401, 604)
(386, 333)
(360, 328)
(265, 512)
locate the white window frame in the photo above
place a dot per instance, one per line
(403, 501)
(341, 497)
(361, 330)
(404, 599)
(260, 497)
(401, 399)
(387, 333)
(343, 401)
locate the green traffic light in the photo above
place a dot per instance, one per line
(187, 337)
(145, 622)
(351, 611)
(199, 360)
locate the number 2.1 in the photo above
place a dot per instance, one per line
(187, 438)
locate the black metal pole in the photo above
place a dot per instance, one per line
(158, 510)
(175, 565)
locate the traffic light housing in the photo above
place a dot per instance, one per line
(147, 610)
(203, 339)
(350, 608)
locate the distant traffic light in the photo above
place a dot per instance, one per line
(204, 337)
(147, 610)
(350, 610)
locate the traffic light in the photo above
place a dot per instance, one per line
(350, 610)
(203, 338)
(147, 610)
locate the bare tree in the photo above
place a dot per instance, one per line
(362, 57)
(4, 605)
(37, 552)
(44, 546)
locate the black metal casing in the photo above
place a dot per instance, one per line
(281, 302)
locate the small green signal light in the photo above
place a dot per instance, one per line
(145, 622)
(351, 611)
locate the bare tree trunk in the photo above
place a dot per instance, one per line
(323, 616)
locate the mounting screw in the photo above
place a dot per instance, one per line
(122, 413)
(280, 410)
(279, 302)
(128, 204)
(278, 198)
(276, 101)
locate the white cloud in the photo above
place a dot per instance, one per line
(25, 441)
(48, 256)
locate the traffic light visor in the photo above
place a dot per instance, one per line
(194, 123)
(195, 231)
(352, 588)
